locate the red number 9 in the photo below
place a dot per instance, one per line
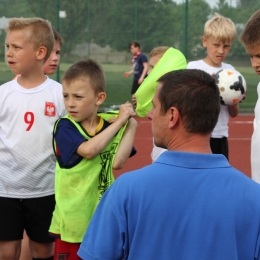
(29, 119)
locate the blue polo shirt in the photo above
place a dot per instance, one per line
(183, 206)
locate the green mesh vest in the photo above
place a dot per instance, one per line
(79, 189)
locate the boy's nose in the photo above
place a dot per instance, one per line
(255, 62)
(221, 50)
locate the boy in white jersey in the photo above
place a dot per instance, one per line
(29, 107)
(49, 68)
(219, 34)
(250, 38)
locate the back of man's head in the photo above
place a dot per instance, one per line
(40, 32)
(196, 96)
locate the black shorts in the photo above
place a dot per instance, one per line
(135, 86)
(219, 146)
(34, 215)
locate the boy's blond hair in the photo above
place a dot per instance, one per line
(251, 32)
(41, 33)
(86, 69)
(158, 51)
(221, 28)
(57, 37)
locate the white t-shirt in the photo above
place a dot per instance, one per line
(221, 128)
(255, 142)
(156, 152)
(27, 117)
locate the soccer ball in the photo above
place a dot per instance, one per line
(232, 86)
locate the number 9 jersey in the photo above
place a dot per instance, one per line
(27, 117)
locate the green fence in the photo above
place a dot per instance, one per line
(102, 29)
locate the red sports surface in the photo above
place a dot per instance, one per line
(240, 132)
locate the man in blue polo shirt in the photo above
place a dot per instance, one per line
(189, 204)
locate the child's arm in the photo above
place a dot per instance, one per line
(96, 144)
(141, 79)
(128, 73)
(126, 144)
(233, 110)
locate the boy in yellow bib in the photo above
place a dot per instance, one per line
(87, 149)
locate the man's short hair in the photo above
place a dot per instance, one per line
(135, 43)
(57, 37)
(221, 28)
(196, 96)
(86, 69)
(158, 51)
(41, 33)
(251, 33)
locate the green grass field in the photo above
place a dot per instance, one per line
(118, 88)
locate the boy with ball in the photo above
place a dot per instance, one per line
(219, 34)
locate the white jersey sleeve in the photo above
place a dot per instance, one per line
(255, 142)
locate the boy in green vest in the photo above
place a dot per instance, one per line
(87, 149)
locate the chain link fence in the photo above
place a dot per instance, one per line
(102, 30)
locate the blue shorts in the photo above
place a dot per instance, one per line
(34, 215)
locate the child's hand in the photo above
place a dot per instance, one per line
(134, 101)
(125, 112)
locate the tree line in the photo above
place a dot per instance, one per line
(116, 22)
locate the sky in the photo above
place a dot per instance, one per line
(212, 3)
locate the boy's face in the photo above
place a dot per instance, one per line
(20, 54)
(134, 49)
(80, 100)
(217, 51)
(53, 61)
(152, 62)
(254, 52)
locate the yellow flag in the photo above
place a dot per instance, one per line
(172, 59)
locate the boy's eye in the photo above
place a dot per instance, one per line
(78, 97)
(58, 52)
(65, 96)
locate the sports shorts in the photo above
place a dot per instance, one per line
(219, 146)
(66, 250)
(135, 86)
(34, 215)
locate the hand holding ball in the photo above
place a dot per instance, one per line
(232, 86)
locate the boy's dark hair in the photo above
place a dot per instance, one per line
(57, 37)
(135, 43)
(251, 33)
(41, 33)
(86, 69)
(196, 96)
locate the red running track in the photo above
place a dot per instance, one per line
(240, 132)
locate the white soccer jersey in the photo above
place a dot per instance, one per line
(27, 117)
(221, 128)
(255, 142)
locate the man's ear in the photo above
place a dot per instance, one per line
(174, 117)
(41, 53)
(101, 96)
